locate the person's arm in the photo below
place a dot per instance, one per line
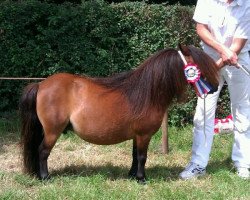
(237, 45)
(206, 36)
(228, 55)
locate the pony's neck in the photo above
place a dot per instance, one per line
(157, 81)
(153, 85)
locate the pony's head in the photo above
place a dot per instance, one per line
(207, 66)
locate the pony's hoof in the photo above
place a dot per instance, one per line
(132, 175)
(44, 178)
(142, 181)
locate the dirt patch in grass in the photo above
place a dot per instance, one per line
(10, 158)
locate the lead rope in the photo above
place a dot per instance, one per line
(204, 128)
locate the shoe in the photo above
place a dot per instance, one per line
(192, 170)
(243, 172)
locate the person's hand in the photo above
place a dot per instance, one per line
(228, 56)
(220, 63)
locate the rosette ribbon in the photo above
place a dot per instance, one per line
(193, 76)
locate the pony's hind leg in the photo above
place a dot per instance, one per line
(44, 152)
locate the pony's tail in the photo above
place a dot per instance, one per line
(31, 129)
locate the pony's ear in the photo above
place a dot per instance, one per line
(184, 50)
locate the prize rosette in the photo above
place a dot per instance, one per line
(193, 76)
(192, 73)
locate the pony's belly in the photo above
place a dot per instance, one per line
(102, 124)
(104, 138)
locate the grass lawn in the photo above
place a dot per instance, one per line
(81, 170)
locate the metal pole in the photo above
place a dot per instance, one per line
(20, 78)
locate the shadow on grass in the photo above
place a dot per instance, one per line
(111, 172)
(9, 130)
(156, 173)
(219, 165)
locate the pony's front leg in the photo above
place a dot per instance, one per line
(134, 167)
(142, 143)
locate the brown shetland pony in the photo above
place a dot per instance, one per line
(108, 110)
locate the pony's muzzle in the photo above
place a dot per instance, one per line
(213, 90)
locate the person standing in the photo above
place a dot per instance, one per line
(224, 29)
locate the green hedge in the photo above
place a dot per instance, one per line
(95, 38)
